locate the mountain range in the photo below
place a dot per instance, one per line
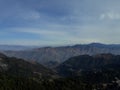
(53, 56)
(83, 72)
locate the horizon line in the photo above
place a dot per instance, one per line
(56, 45)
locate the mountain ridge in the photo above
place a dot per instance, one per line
(19, 67)
(75, 65)
(53, 56)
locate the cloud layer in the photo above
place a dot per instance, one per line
(59, 22)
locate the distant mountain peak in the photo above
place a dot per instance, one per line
(91, 44)
(95, 43)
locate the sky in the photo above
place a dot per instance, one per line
(59, 22)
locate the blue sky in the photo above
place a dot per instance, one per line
(59, 22)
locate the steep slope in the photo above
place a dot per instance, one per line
(76, 65)
(18, 67)
(53, 56)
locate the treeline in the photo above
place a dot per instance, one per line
(89, 81)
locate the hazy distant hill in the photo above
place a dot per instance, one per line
(52, 56)
(14, 47)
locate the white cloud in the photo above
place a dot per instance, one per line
(110, 16)
(38, 31)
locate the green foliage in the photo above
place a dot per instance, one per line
(87, 81)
